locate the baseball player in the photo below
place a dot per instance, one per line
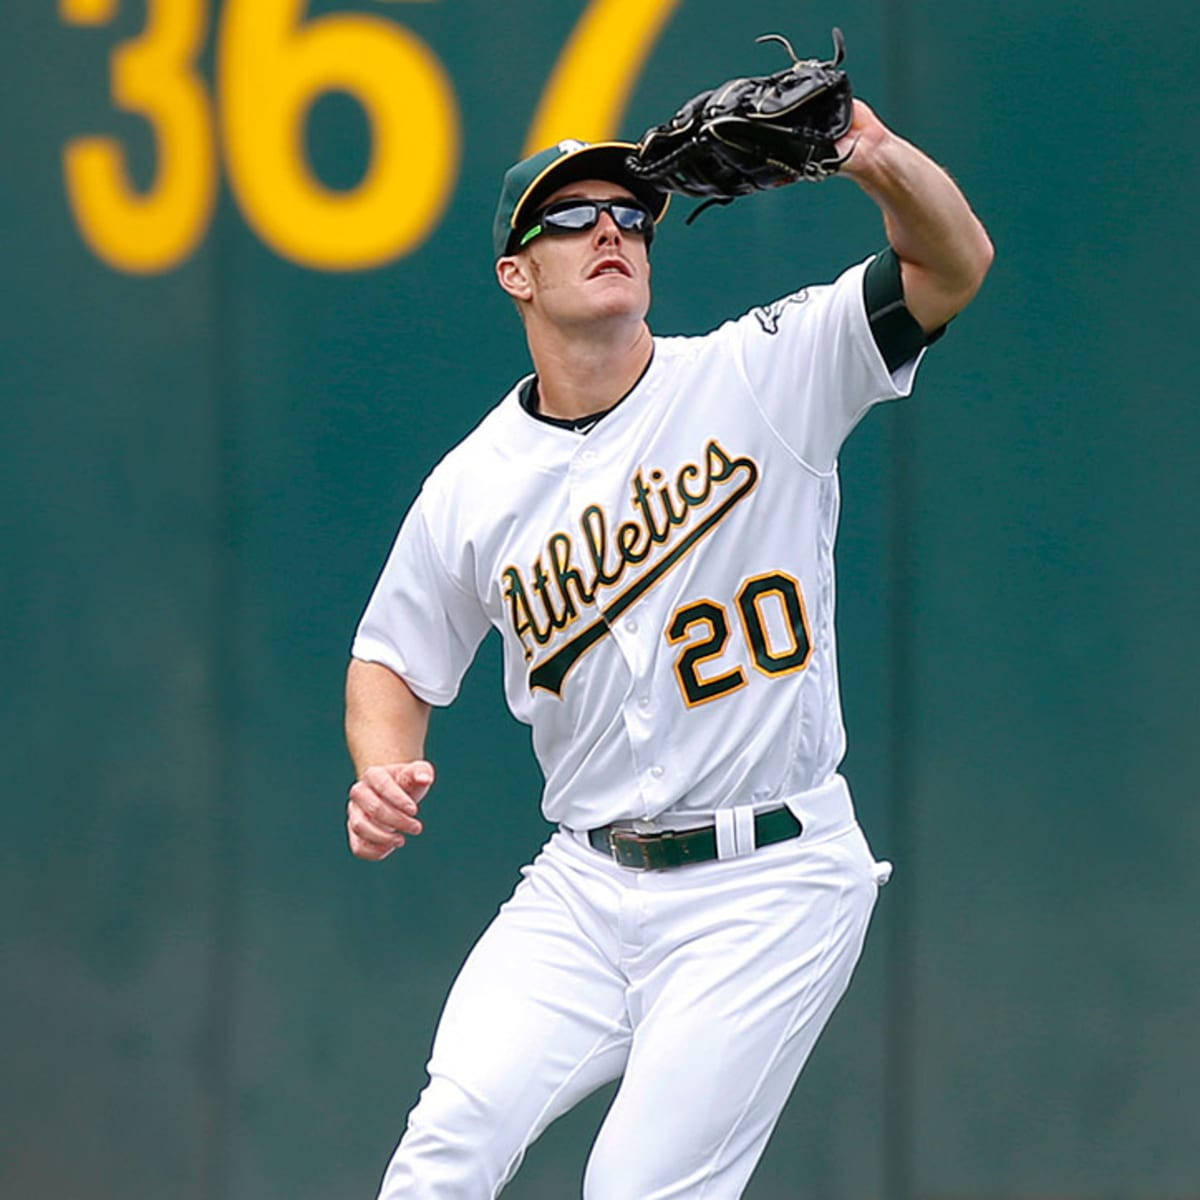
(649, 522)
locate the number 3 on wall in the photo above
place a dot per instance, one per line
(154, 77)
(272, 65)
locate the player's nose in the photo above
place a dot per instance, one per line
(608, 232)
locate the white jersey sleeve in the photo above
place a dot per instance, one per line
(812, 365)
(421, 621)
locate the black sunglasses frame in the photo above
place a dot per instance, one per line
(542, 226)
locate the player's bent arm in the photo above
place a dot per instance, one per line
(386, 726)
(943, 248)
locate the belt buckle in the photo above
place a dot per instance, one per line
(623, 844)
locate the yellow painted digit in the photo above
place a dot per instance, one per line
(272, 68)
(88, 12)
(592, 81)
(152, 76)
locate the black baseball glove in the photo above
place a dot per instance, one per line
(755, 133)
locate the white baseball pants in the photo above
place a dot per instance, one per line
(705, 986)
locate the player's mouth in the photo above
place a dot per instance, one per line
(611, 266)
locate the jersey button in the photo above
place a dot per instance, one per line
(656, 771)
(630, 625)
(644, 703)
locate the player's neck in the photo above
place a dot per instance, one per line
(577, 377)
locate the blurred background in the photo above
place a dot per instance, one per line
(249, 303)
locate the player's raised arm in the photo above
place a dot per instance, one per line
(943, 248)
(803, 123)
(385, 732)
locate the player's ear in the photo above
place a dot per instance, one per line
(514, 276)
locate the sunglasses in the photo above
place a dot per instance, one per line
(575, 216)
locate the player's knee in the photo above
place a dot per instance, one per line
(458, 1143)
(618, 1177)
(599, 1180)
(624, 1173)
(432, 1163)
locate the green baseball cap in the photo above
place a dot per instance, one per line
(531, 180)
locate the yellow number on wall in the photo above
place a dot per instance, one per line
(589, 89)
(271, 69)
(152, 76)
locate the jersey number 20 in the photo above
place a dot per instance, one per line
(774, 624)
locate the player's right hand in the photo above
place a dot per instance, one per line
(383, 806)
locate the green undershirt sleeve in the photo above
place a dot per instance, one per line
(896, 331)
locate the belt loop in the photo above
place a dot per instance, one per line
(743, 829)
(735, 831)
(727, 845)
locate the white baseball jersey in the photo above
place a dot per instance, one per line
(664, 584)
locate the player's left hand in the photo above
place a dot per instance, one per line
(866, 137)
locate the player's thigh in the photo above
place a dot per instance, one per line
(535, 1021)
(727, 1021)
(535, 1000)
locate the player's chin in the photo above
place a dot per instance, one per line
(618, 295)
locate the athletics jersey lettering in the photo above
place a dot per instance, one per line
(561, 584)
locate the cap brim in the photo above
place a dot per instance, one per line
(600, 160)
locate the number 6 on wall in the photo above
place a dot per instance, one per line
(271, 68)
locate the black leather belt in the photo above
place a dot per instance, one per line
(656, 851)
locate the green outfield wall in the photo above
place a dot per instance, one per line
(248, 303)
